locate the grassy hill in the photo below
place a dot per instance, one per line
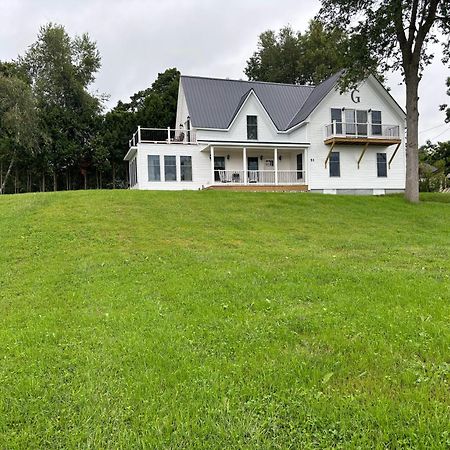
(224, 320)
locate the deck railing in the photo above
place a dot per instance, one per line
(163, 136)
(267, 177)
(359, 130)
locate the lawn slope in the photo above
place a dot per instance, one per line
(223, 320)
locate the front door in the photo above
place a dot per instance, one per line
(219, 164)
(252, 166)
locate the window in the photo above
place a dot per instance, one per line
(154, 168)
(186, 168)
(335, 166)
(361, 120)
(350, 127)
(381, 165)
(170, 168)
(252, 127)
(336, 116)
(376, 123)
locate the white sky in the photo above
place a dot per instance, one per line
(139, 38)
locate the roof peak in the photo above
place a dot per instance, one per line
(249, 81)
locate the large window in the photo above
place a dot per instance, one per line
(376, 123)
(154, 168)
(335, 165)
(170, 168)
(336, 116)
(382, 164)
(186, 168)
(252, 127)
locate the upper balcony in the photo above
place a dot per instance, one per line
(162, 136)
(356, 133)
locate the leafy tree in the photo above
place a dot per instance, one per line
(290, 57)
(445, 107)
(61, 70)
(395, 33)
(154, 107)
(18, 122)
(434, 166)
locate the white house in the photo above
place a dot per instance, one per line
(268, 136)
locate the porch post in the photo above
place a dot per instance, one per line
(275, 164)
(244, 163)
(212, 164)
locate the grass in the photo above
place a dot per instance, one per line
(224, 320)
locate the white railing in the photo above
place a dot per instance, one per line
(163, 136)
(229, 176)
(291, 177)
(267, 177)
(353, 130)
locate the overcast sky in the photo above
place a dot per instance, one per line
(139, 38)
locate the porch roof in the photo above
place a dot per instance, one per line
(256, 145)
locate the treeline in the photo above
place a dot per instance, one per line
(54, 131)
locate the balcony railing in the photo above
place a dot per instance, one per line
(163, 136)
(362, 130)
(266, 177)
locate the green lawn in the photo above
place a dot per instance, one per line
(224, 320)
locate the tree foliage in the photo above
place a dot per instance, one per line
(60, 70)
(293, 57)
(395, 34)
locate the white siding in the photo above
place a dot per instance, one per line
(351, 177)
(182, 109)
(201, 167)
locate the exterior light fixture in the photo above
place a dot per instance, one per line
(228, 156)
(261, 157)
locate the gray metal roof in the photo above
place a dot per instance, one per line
(213, 103)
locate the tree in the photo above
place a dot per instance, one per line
(61, 69)
(445, 107)
(154, 107)
(395, 33)
(290, 57)
(18, 121)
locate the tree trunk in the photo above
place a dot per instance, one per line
(85, 180)
(412, 137)
(113, 175)
(55, 182)
(16, 176)
(101, 180)
(43, 182)
(2, 187)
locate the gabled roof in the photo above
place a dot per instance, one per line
(316, 96)
(214, 102)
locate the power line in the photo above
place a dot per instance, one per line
(440, 134)
(433, 128)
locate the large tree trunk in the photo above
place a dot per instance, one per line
(5, 179)
(412, 136)
(55, 182)
(43, 182)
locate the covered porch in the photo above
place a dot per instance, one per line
(233, 166)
